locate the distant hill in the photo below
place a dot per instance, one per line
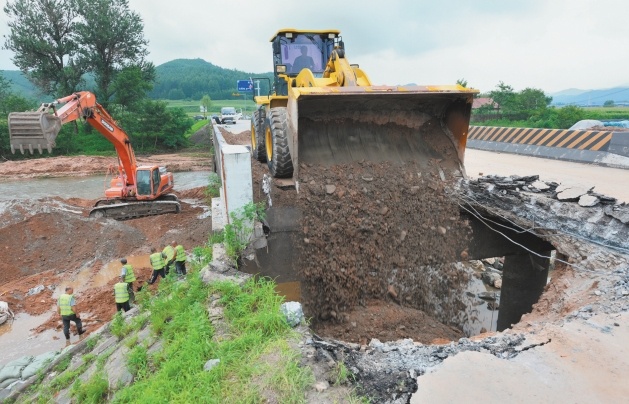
(573, 96)
(20, 84)
(193, 78)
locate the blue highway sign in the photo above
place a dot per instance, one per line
(245, 85)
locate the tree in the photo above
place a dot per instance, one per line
(568, 116)
(505, 97)
(206, 102)
(112, 39)
(132, 84)
(531, 101)
(43, 37)
(609, 103)
(462, 82)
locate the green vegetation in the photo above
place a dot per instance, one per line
(238, 232)
(255, 330)
(191, 79)
(212, 190)
(92, 391)
(530, 108)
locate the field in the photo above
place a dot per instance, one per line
(191, 107)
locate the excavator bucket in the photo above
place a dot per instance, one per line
(33, 130)
(378, 124)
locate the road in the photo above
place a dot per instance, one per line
(605, 180)
(579, 361)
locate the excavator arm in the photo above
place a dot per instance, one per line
(83, 105)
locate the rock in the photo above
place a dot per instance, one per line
(477, 265)
(292, 312)
(384, 210)
(572, 194)
(442, 230)
(540, 185)
(402, 235)
(391, 291)
(588, 201)
(35, 290)
(329, 189)
(489, 261)
(212, 363)
(321, 386)
(498, 284)
(367, 178)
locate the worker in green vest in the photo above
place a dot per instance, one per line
(158, 262)
(69, 312)
(180, 258)
(128, 276)
(121, 293)
(169, 251)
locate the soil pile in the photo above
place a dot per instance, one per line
(370, 230)
(51, 241)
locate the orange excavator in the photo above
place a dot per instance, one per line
(135, 191)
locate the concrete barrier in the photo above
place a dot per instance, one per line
(597, 147)
(233, 166)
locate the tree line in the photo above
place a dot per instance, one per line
(529, 107)
(191, 79)
(58, 43)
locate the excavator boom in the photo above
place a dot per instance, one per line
(134, 192)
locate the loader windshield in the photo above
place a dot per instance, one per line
(304, 52)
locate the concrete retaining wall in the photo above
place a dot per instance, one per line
(599, 147)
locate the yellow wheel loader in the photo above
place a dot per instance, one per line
(323, 110)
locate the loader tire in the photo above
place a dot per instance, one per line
(276, 143)
(257, 135)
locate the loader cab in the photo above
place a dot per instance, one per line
(297, 50)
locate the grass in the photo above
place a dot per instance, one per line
(191, 107)
(92, 391)
(256, 328)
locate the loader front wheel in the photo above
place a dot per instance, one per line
(276, 143)
(257, 135)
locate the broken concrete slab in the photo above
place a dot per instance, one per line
(572, 194)
(588, 201)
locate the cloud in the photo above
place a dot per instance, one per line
(552, 45)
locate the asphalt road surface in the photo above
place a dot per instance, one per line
(605, 180)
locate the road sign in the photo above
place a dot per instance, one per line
(245, 85)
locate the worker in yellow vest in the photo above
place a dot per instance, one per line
(180, 258)
(69, 312)
(170, 257)
(121, 294)
(158, 262)
(127, 276)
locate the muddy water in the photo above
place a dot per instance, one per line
(16, 339)
(87, 278)
(92, 187)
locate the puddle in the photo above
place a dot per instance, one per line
(94, 279)
(17, 339)
(290, 290)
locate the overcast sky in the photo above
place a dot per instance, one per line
(548, 44)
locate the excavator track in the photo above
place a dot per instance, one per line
(119, 210)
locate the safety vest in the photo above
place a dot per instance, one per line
(121, 292)
(130, 276)
(64, 305)
(169, 251)
(157, 261)
(181, 254)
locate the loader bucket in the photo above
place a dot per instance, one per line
(393, 124)
(33, 130)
